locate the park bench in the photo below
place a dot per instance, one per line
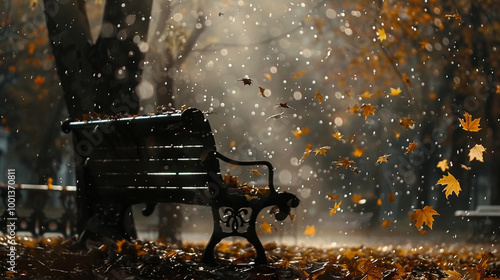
(482, 218)
(162, 158)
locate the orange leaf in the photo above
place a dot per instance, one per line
(383, 158)
(395, 92)
(39, 80)
(392, 197)
(298, 74)
(268, 76)
(344, 162)
(411, 147)
(354, 109)
(443, 165)
(299, 132)
(452, 185)
(423, 216)
(358, 152)
(379, 202)
(407, 122)
(322, 150)
(356, 198)
(337, 135)
(255, 172)
(31, 48)
(386, 223)
(307, 152)
(49, 183)
(469, 124)
(310, 230)
(366, 94)
(476, 153)
(319, 96)
(381, 35)
(335, 208)
(266, 226)
(367, 110)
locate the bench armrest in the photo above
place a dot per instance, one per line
(256, 162)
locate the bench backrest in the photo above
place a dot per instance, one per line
(165, 151)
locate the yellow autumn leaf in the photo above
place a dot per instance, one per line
(381, 35)
(266, 227)
(395, 91)
(452, 185)
(307, 152)
(367, 110)
(476, 153)
(423, 216)
(301, 131)
(443, 165)
(337, 135)
(322, 150)
(366, 94)
(383, 158)
(469, 124)
(310, 230)
(335, 208)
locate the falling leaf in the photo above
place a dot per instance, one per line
(392, 197)
(455, 16)
(379, 202)
(395, 92)
(356, 198)
(476, 153)
(276, 116)
(322, 150)
(366, 94)
(335, 208)
(497, 91)
(383, 158)
(283, 105)
(406, 122)
(367, 110)
(406, 80)
(319, 96)
(298, 75)
(310, 230)
(246, 81)
(469, 124)
(423, 216)
(452, 185)
(344, 162)
(354, 109)
(33, 4)
(39, 80)
(386, 223)
(337, 135)
(268, 76)
(12, 68)
(443, 165)
(358, 152)
(381, 35)
(31, 48)
(411, 147)
(299, 132)
(332, 197)
(266, 226)
(255, 172)
(423, 44)
(262, 92)
(307, 152)
(463, 166)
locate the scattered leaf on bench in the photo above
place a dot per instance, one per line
(452, 185)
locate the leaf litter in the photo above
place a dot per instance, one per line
(58, 258)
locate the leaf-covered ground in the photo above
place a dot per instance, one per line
(57, 258)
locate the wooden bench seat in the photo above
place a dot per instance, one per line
(168, 157)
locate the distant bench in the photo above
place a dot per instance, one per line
(167, 157)
(482, 215)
